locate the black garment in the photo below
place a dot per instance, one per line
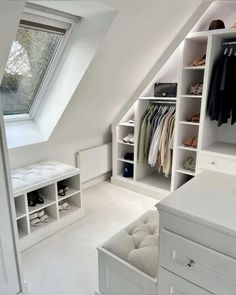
(221, 104)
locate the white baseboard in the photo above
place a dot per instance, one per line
(97, 293)
(96, 180)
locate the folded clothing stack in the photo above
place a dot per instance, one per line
(37, 218)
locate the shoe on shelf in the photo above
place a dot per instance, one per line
(194, 143)
(129, 138)
(62, 188)
(198, 61)
(35, 222)
(38, 217)
(64, 206)
(128, 170)
(195, 118)
(34, 199)
(189, 164)
(129, 156)
(191, 142)
(196, 89)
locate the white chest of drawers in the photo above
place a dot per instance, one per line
(198, 237)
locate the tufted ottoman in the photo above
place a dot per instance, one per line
(128, 261)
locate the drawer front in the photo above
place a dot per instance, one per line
(204, 267)
(170, 284)
(218, 164)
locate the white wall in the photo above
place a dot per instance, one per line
(139, 34)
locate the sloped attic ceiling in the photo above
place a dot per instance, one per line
(84, 41)
(139, 34)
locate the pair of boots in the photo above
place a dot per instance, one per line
(34, 199)
(61, 188)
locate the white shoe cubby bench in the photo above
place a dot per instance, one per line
(44, 177)
(128, 262)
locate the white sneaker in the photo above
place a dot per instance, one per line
(129, 138)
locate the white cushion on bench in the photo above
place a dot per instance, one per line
(36, 173)
(138, 243)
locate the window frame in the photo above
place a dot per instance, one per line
(49, 17)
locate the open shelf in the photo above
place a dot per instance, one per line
(69, 193)
(125, 143)
(72, 209)
(126, 161)
(126, 124)
(74, 202)
(185, 171)
(47, 202)
(191, 96)
(187, 148)
(51, 212)
(158, 98)
(189, 123)
(22, 227)
(194, 68)
(223, 148)
(34, 229)
(20, 207)
(157, 180)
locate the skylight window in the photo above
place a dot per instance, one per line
(31, 56)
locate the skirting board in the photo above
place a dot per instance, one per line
(147, 190)
(96, 180)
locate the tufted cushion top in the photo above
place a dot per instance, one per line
(36, 173)
(138, 243)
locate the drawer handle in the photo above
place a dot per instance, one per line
(213, 163)
(190, 264)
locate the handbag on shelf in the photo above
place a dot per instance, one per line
(165, 89)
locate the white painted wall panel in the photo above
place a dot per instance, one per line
(137, 37)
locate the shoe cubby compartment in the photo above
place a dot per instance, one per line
(74, 203)
(156, 179)
(128, 116)
(180, 161)
(180, 179)
(45, 184)
(123, 150)
(22, 227)
(20, 206)
(220, 140)
(194, 48)
(187, 132)
(123, 131)
(48, 194)
(51, 212)
(189, 106)
(121, 166)
(189, 80)
(73, 184)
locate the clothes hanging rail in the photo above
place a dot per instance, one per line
(163, 102)
(228, 43)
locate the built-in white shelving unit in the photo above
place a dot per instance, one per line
(216, 146)
(30, 235)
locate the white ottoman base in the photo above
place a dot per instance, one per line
(117, 277)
